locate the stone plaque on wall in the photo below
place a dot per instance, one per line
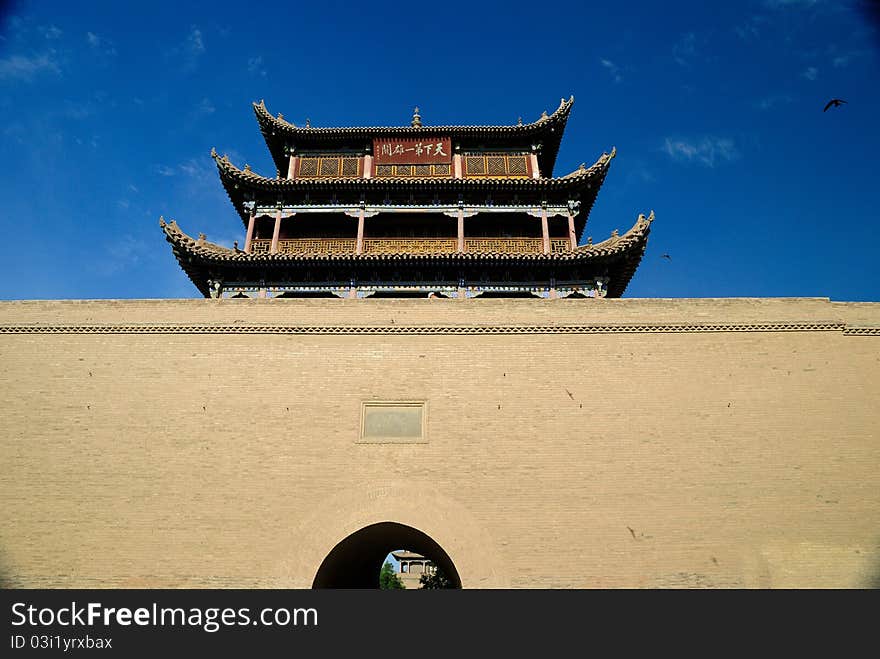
(393, 421)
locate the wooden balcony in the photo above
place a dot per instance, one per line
(411, 246)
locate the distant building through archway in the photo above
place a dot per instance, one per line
(356, 560)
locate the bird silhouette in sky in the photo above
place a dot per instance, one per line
(666, 256)
(834, 102)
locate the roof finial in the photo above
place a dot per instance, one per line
(417, 118)
(308, 123)
(544, 116)
(519, 121)
(247, 167)
(213, 152)
(280, 116)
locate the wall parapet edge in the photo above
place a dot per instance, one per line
(640, 328)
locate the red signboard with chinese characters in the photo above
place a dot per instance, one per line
(412, 151)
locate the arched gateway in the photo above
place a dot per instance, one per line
(355, 561)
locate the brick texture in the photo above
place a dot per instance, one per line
(553, 460)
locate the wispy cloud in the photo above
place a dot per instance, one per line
(189, 53)
(810, 73)
(255, 66)
(773, 100)
(752, 28)
(121, 254)
(612, 68)
(685, 49)
(100, 44)
(50, 32)
(195, 42)
(199, 170)
(205, 107)
(793, 4)
(707, 151)
(23, 67)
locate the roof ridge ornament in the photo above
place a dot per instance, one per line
(417, 118)
(308, 123)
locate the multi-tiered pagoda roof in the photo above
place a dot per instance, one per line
(456, 211)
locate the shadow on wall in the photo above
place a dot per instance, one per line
(874, 575)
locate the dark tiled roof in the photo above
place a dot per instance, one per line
(202, 250)
(583, 182)
(548, 129)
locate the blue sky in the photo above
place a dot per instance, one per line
(110, 111)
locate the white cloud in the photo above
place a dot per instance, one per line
(612, 68)
(205, 107)
(706, 151)
(810, 73)
(195, 43)
(774, 99)
(795, 4)
(50, 32)
(255, 66)
(22, 67)
(100, 43)
(164, 170)
(686, 49)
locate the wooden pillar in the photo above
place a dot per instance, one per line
(460, 230)
(571, 234)
(249, 238)
(359, 246)
(456, 165)
(545, 230)
(534, 160)
(273, 249)
(368, 166)
(291, 168)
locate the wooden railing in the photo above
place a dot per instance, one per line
(411, 245)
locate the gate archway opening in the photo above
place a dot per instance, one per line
(356, 561)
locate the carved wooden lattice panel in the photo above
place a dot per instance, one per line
(496, 165)
(308, 167)
(317, 246)
(260, 246)
(350, 166)
(505, 245)
(410, 245)
(329, 167)
(517, 166)
(413, 171)
(475, 166)
(559, 245)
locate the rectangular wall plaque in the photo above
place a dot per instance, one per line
(393, 421)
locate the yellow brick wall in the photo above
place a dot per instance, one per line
(148, 454)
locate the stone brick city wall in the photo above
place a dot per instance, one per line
(569, 443)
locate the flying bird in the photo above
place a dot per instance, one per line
(666, 256)
(835, 102)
